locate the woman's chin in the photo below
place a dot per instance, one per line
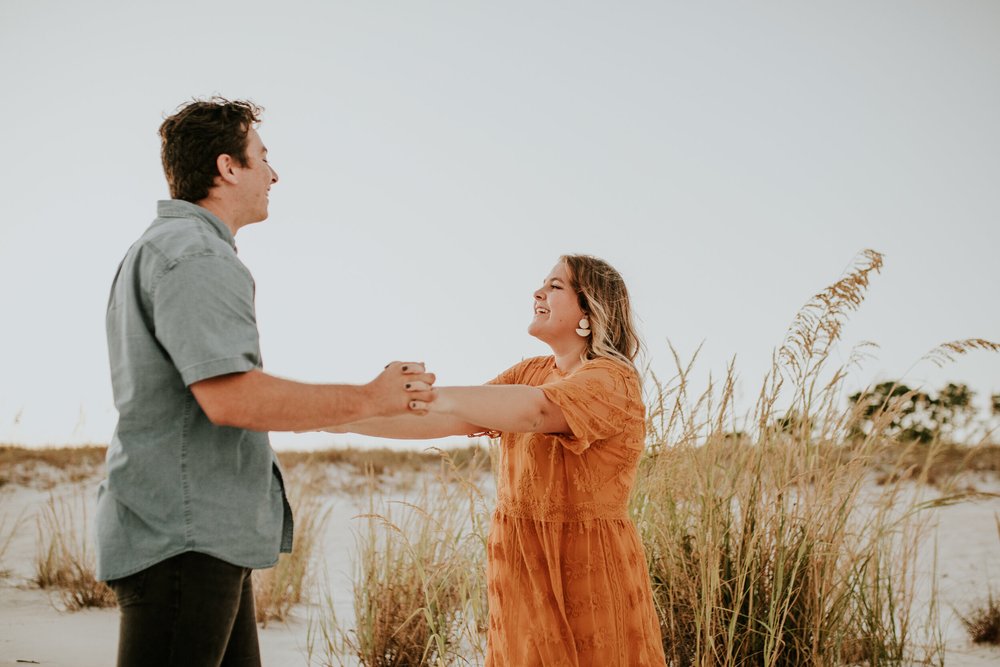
(540, 333)
(536, 331)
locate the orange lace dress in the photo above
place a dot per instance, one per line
(566, 574)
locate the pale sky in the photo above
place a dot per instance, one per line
(729, 158)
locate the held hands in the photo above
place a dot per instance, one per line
(403, 388)
(441, 402)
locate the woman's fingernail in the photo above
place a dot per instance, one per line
(405, 368)
(407, 385)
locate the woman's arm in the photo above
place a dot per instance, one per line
(408, 427)
(513, 408)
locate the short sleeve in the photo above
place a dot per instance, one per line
(515, 374)
(203, 313)
(599, 401)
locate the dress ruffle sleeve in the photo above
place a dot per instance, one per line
(516, 373)
(598, 402)
(513, 375)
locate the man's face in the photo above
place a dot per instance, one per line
(255, 180)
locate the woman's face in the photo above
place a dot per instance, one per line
(557, 311)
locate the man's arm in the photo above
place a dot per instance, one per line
(260, 402)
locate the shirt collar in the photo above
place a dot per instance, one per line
(178, 208)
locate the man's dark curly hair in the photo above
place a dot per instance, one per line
(196, 135)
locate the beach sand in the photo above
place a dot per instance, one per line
(34, 629)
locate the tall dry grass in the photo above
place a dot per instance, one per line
(761, 554)
(419, 584)
(767, 539)
(278, 589)
(64, 560)
(8, 530)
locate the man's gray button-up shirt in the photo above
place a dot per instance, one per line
(181, 310)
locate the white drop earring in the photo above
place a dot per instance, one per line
(584, 329)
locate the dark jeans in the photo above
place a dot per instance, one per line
(191, 610)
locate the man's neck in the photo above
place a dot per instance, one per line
(224, 213)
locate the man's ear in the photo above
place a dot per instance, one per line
(225, 164)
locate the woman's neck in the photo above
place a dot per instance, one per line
(569, 356)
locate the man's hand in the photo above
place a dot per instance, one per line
(403, 387)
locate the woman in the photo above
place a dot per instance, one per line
(566, 574)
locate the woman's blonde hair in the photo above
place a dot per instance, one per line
(604, 298)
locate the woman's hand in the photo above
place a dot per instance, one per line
(439, 405)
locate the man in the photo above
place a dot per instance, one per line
(194, 498)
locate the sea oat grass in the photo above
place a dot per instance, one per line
(64, 561)
(768, 541)
(419, 587)
(8, 530)
(278, 589)
(763, 554)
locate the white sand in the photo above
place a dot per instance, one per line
(33, 627)
(968, 567)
